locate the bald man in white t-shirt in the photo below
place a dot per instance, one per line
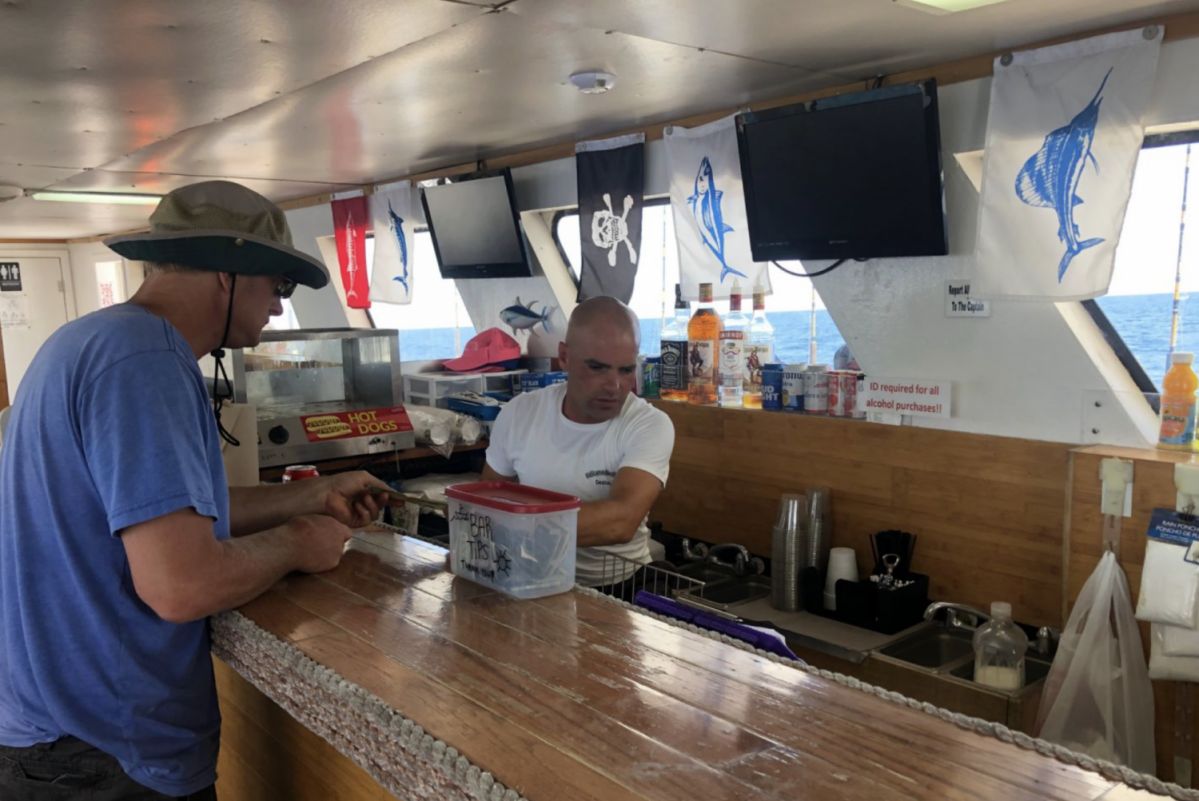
(593, 438)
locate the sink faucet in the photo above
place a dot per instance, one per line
(740, 558)
(954, 614)
(694, 554)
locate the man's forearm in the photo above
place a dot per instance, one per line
(605, 523)
(258, 508)
(246, 568)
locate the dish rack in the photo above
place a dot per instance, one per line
(650, 577)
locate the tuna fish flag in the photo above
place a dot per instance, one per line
(611, 177)
(1063, 134)
(709, 210)
(395, 211)
(349, 227)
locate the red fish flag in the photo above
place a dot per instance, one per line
(350, 219)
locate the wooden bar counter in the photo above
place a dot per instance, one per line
(439, 688)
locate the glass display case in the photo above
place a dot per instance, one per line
(323, 393)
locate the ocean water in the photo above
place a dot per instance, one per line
(1143, 321)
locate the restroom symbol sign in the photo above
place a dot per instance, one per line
(10, 276)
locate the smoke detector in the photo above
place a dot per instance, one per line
(593, 82)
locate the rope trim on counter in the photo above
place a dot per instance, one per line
(394, 750)
(1108, 770)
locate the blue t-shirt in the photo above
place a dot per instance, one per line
(111, 427)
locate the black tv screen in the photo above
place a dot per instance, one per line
(853, 176)
(475, 227)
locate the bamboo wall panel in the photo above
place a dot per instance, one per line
(1175, 714)
(266, 755)
(988, 512)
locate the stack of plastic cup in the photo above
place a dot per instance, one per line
(786, 553)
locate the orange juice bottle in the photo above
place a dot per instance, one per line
(1178, 404)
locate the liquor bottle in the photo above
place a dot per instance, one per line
(673, 365)
(703, 335)
(731, 370)
(759, 351)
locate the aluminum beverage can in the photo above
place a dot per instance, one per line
(299, 472)
(816, 382)
(772, 387)
(849, 392)
(836, 405)
(793, 387)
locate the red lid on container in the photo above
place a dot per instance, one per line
(507, 496)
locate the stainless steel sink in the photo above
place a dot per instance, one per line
(728, 591)
(932, 647)
(705, 571)
(1034, 670)
(949, 653)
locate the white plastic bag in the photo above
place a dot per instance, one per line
(1097, 698)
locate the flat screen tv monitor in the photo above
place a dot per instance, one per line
(853, 176)
(475, 227)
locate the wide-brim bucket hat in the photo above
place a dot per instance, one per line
(223, 227)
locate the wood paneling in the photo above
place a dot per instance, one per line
(576, 697)
(1176, 718)
(988, 512)
(266, 755)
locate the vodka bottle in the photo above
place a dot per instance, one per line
(732, 351)
(673, 366)
(703, 335)
(759, 351)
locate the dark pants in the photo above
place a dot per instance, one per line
(70, 769)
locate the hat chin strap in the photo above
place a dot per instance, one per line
(218, 371)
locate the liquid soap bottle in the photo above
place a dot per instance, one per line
(999, 649)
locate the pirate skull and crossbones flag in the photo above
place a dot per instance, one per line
(611, 178)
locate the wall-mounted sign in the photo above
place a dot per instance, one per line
(908, 396)
(10, 276)
(958, 302)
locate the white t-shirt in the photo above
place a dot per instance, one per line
(533, 440)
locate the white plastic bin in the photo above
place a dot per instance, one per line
(431, 389)
(517, 539)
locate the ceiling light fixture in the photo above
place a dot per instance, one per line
(119, 198)
(945, 6)
(593, 82)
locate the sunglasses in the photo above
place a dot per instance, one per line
(284, 288)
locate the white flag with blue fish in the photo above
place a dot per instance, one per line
(395, 213)
(1063, 134)
(709, 210)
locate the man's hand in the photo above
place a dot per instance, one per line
(353, 499)
(319, 540)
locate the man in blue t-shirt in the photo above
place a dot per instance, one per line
(118, 533)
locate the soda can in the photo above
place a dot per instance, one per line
(299, 472)
(650, 377)
(815, 399)
(849, 392)
(836, 398)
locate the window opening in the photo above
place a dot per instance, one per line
(1147, 312)
(435, 325)
(802, 325)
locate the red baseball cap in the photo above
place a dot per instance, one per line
(488, 351)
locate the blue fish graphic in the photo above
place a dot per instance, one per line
(397, 228)
(705, 206)
(522, 317)
(1050, 176)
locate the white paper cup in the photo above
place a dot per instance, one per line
(842, 564)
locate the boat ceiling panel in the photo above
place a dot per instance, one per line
(300, 95)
